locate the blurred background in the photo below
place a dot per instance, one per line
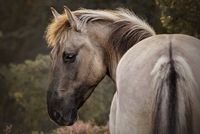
(24, 60)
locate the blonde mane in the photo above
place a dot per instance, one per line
(56, 29)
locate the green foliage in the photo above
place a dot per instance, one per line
(180, 16)
(25, 84)
(97, 107)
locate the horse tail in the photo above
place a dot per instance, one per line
(173, 84)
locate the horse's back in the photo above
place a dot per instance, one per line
(134, 107)
(145, 54)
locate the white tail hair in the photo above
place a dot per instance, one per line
(174, 87)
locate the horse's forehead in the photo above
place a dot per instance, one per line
(74, 39)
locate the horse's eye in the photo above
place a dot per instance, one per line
(69, 57)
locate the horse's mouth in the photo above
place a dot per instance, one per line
(69, 118)
(65, 119)
(65, 113)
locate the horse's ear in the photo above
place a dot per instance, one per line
(73, 20)
(55, 13)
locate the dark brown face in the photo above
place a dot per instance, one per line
(77, 67)
(62, 104)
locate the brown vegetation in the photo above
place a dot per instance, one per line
(81, 127)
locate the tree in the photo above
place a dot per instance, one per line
(26, 86)
(180, 16)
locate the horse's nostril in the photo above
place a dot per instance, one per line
(57, 115)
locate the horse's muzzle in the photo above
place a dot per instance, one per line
(62, 113)
(63, 118)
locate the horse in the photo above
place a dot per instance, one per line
(157, 76)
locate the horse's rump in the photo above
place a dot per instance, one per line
(160, 88)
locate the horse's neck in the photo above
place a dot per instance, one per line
(100, 33)
(117, 38)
